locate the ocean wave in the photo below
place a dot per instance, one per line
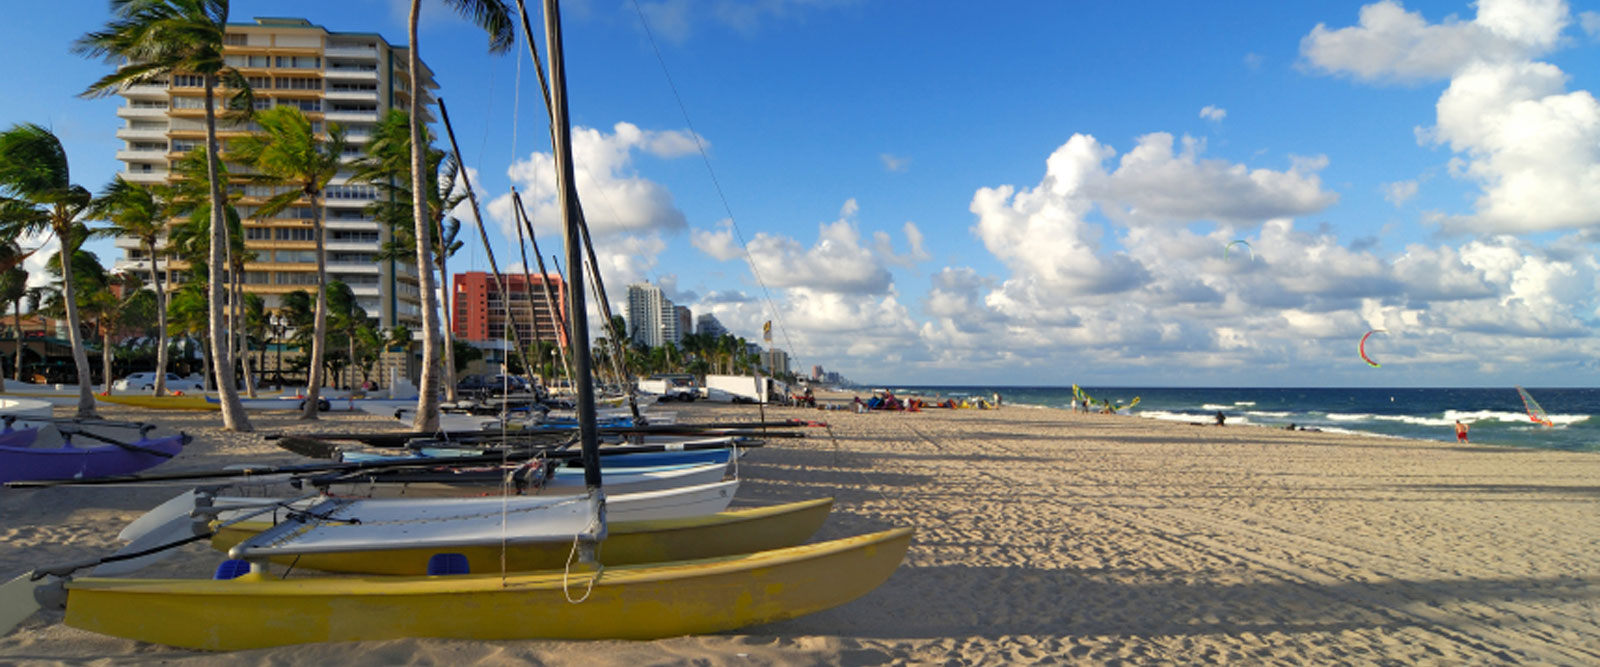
(1265, 413)
(1416, 421)
(1214, 406)
(1344, 417)
(1472, 416)
(1169, 416)
(1244, 403)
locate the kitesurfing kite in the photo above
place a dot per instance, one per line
(1241, 242)
(1362, 348)
(1536, 413)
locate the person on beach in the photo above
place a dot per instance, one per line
(1221, 418)
(1461, 431)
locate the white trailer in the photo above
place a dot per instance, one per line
(740, 389)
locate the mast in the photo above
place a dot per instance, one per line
(567, 193)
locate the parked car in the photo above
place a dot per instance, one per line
(147, 382)
(492, 385)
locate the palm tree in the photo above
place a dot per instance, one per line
(13, 289)
(141, 212)
(114, 306)
(155, 39)
(495, 18)
(188, 314)
(255, 326)
(288, 151)
(237, 257)
(387, 165)
(37, 195)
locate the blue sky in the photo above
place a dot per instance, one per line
(1040, 193)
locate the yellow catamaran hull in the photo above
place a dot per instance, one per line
(630, 602)
(628, 542)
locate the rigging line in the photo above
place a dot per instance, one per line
(564, 337)
(582, 223)
(527, 289)
(477, 217)
(700, 146)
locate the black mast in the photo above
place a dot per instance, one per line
(567, 192)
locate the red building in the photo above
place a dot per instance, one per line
(479, 314)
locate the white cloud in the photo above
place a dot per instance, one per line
(47, 246)
(615, 198)
(915, 254)
(837, 263)
(1399, 192)
(1591, 23)
(894, 163)
(719, 243)
(1213, 113)
(1532, 146)
(1392, 43)
(1154, 184)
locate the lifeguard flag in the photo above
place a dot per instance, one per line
(766, 331)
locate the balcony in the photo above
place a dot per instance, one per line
(351, 73)
(351, 95)
(145, 91)
(142, 134)
(141, 112)
(143, 156)
(351, 52)
(157, 176)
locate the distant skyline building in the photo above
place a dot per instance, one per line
(776, 360)
(349, 78)
(479, 313)
(685, 322)
(708, 324)
(652, 318)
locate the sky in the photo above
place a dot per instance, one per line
(1034, 193)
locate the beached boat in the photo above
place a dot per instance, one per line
(192, 403)
(456, 482)
(627, 543)
(19, 461)
(627, 602)
(585, 601)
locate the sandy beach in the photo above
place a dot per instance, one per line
(1044, 536)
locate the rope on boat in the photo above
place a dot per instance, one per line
(566, 574)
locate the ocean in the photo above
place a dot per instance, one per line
(1496, 416)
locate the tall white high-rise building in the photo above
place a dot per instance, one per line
(349, 78)
(652, 317)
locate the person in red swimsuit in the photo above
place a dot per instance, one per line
(1461, 431)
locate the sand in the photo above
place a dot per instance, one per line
(1043, 537)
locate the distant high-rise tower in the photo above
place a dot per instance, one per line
(349, 78)
(708, 324)
(652, 317)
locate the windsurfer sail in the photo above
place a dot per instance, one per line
(1535, 413)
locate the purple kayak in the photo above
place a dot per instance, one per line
(18, 461)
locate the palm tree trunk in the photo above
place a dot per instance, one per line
(161, 321)
(80, 358)
(105, 355)
(233, 414)
(319, 326)
(244, 338)
(20, 338)
(427, 418)
(449, 329)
